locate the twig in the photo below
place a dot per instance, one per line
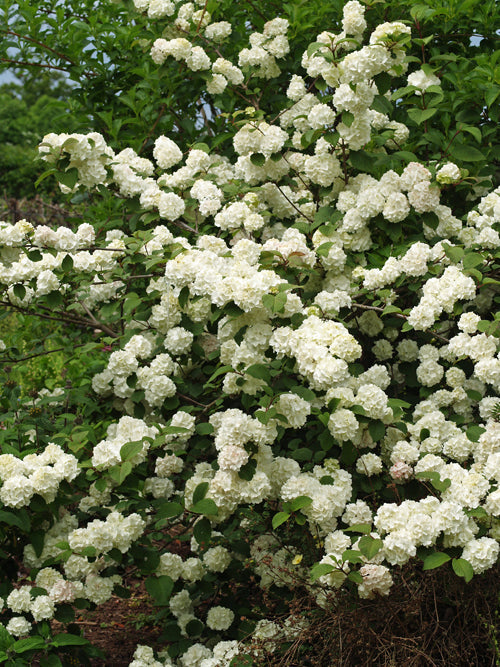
(44, 46)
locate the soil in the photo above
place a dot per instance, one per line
(118, 626)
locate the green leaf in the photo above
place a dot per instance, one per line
(300, 502)
(369, 546)
(326, 214)
(130, 449)
(205, 506)
(195, 627)
(320, 569)
(355, 576)
(200, 492)
(68, 178)
(5, 639)
(359, 528)
(454, 253)
(462, 568)
(435, 479)
(202, 531)
(219, 371)
(20, 519)
(20, 291)
(471, 260)
(258, 159)
(466, 153)
(45, 174)
(168, 510)
(347, 118)
(474, 131)
(352, 556)
(28, 644)
(259, 371)
(50, 660)
(242, 660)
(204, 428)
(160, 588)
(435, 559)
(280, 518)
(474, 432)
(421, 115)
(67, 263)
(490, 96)
(377, 430)
(362, 161)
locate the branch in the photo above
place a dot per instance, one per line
(44, 46)
(63, 317)
(160, 114)
(39, 354)
(400, 316)
(23, 64)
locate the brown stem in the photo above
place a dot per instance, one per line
(399, 315)
(24, 64)
(81, 322)
(44, 46)
(153, 127)
(39, 354)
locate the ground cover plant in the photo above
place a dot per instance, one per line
(278, 318)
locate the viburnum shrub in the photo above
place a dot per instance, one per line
(284, 353)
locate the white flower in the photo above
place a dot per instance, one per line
(18, 626)
(219, 618)
(369, 464)
(422, 81)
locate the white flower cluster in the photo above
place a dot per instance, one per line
(116, 532)
(35, 473)
(322, 350)
(127, 429)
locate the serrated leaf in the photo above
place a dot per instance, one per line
(200, 492)
(259, 371)
(356, 577)
(160, 588)
(258, 159)
(19, 291)
(435, 559)
(204, 428)
(206, 506)
(471, 260)
(359, 528)
(300, 502)
(320, 569)
(168, 510)
(68, 178)
(376, 430)
(454, 253)
(462, 568)
(369, 546)
(280, 518)
(421, 115)
(474, 432)
(67, 263)
(202, 530)
(466, 153)
(352, 556)
(130, 449)
(28, 644)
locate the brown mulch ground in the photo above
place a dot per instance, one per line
(119, 625)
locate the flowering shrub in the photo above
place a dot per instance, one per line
(286, 352)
